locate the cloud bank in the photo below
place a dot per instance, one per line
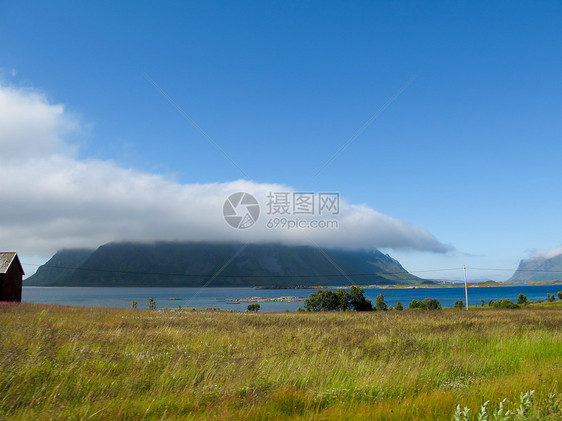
(50, 199)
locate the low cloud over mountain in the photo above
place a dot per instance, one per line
(51, 199)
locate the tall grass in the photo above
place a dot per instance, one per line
(83, 363)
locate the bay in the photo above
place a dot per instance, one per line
(221, 298)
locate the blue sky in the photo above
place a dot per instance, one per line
(468, 151)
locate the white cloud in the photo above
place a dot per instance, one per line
(52, 200)
(30, 126)
(545, 254)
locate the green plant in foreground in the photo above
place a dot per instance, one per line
(151, 304)
(559, 295)
(135, 304)
(98, 364)
(524, 411)
(459, 304)
(399, 306)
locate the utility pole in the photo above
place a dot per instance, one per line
(465, 288)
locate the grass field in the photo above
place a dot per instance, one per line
(82, 363)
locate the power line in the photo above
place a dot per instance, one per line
(518, 270)
(205, 275)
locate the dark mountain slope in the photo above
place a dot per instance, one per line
(195, 263)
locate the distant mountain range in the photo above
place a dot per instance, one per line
(538, 269)
(194, 264)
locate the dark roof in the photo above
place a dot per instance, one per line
(6, 259)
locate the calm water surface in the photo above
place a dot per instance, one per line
(214, 297)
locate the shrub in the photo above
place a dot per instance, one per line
(152, 303)
(559, 295)
(415, 304)
(522, 300)
(254, 307)
(522, 412)
(459, 304)
(550, 297)
(431, 304)
(482, 303)
(380, 305)
(135, 304)
(426, 304)
(399, 306)
(507, 303)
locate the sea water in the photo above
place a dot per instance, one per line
(226, 298)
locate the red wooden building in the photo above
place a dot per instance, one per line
(11, 276)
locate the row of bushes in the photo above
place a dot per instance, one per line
(522, 300)
(327, 300)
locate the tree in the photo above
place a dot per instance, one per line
(152, 303)
(559, 295)
(459, 304)
(380, 305)
(254, 307)
(399, 306)
(327, 300)
(344, 300)
(322, 300)
(551, 297)
(482, 303)
(358, 301)
(522, 300)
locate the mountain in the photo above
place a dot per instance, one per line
(538, 269)
(194, 264)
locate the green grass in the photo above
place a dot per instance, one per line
(82, 363)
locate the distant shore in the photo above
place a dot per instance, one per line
(422, 286)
